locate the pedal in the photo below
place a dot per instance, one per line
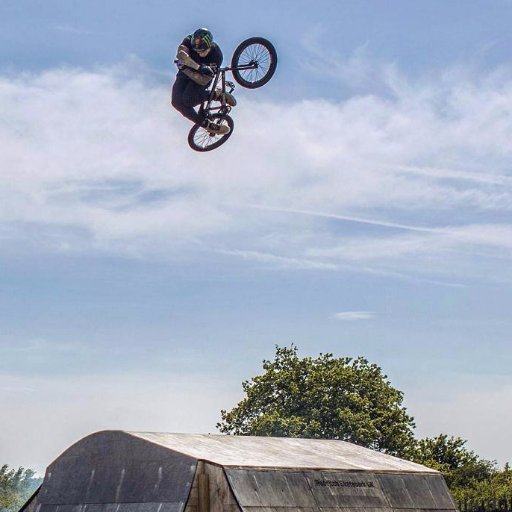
(231, 86)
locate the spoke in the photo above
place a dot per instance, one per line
(259, 54)
(247, 56)
(203, 138)
(200, 141)
(262, 52)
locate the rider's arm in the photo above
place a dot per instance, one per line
(184, 56)
(197, 77)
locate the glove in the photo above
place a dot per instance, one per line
(206, 70)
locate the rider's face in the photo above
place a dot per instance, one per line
(203, 53)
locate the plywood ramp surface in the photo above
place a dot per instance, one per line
(249, 451)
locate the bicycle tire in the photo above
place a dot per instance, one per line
(200, 139)
(259, 50)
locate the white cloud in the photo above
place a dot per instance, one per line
(349, 316)
(281, 261)
(99, 160)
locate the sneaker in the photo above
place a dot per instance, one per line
(228, 97)
(217, 129)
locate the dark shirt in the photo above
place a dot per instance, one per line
(214, 57)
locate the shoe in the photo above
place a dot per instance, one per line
(216, 129)
(228, 97)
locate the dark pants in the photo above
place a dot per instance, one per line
(187, 94)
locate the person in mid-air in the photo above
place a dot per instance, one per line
(197, 57)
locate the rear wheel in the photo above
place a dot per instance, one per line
(200, 139)
(260, 54)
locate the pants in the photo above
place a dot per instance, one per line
(187, 94)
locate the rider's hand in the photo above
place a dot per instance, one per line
(206, 70)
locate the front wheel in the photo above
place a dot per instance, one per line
(200, 139)
(254, 62)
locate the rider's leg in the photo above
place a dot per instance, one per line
(186, 94)
(194, 95)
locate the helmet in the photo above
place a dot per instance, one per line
(201, 39)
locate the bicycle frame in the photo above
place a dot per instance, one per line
(220, 75)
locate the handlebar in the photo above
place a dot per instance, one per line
(228, 68)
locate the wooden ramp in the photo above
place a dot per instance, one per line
(117, 471)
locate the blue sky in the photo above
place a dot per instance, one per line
(361, 207)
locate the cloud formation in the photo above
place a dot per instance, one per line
(349, 316)
(417, 177)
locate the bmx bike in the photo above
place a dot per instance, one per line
(253, 64)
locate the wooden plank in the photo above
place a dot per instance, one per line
(203, 488)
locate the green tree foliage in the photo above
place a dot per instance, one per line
(323, 397)
(461, 467)
(493, 489)
(16, 486)
(470, 478)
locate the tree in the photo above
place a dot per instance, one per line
(324, 397)
(469, 477)
(461, 467)
(16, 486)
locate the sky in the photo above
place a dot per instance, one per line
(362, 206)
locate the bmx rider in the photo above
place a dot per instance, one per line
(197, 57)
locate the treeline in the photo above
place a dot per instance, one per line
(502, 505)
(16, 486)
(476, 484)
